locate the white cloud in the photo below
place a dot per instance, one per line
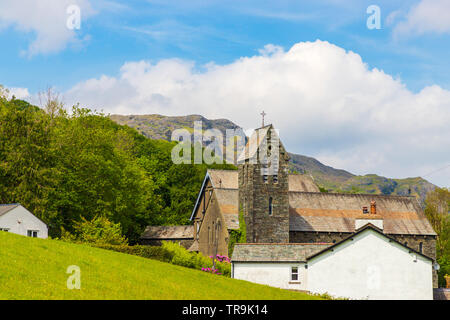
(19, 93)
(427, 16)
(325, 101)
(46, 20)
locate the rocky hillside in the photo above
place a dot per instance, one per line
(328, 178)
(155, 126)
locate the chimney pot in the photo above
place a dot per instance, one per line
(373, 207)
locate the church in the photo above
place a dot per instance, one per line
(287, 219)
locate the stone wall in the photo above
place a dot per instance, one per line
(256, 187)
(314, 237)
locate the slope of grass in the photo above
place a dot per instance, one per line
(36, 269)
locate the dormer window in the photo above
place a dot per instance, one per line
(365, 210)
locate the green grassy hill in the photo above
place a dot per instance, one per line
(36, 269)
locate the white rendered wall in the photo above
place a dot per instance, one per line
(28, 221)
(274, 274)
(371, 267)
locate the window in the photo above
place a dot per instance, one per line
(32, 233)
(275, 178)
(270, 206)
(421, 247)
(4, 229)
(294, 273)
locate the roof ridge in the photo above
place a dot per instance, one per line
(356, 194)
(287, 243)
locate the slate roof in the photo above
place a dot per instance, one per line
(5, 208)
(334, 212)
(276, 252)
(301, 182)
(168, 232)
(297, 252)
(227, 179)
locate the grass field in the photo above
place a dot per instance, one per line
(33, 268)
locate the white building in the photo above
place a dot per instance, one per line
(366, 265)
(16, 219)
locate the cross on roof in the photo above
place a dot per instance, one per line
(263, 114)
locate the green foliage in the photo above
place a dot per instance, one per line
(97, 231)
(68, 167)
(437, 210)
(172, 253)
(237, 236)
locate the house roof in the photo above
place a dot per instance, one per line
(168, 232)
(275, 252)
(298, 252)
(364, 228)
(5, 208)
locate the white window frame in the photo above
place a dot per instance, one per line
(295, 273)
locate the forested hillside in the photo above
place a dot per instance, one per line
(65, 167)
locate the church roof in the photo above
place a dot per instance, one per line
(335, 212)
(227, 179)
(225, 184)
(276, 252)
(168, 232)
(251, 148)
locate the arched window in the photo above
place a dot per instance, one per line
(270, 206)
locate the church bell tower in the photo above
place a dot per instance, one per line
(264, 186)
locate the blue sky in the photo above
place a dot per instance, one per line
(134, 38)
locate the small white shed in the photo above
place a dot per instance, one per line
(16, 219)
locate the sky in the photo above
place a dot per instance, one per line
(356, 95)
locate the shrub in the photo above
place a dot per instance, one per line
(99, 231)
(175, 254)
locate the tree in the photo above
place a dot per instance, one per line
(437, 210)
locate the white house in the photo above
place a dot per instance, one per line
(16, 219)
(366, 265)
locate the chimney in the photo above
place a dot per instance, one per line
(373, 207)
(372, 218)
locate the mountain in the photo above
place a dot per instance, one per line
(329, 179)
(155, 126)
